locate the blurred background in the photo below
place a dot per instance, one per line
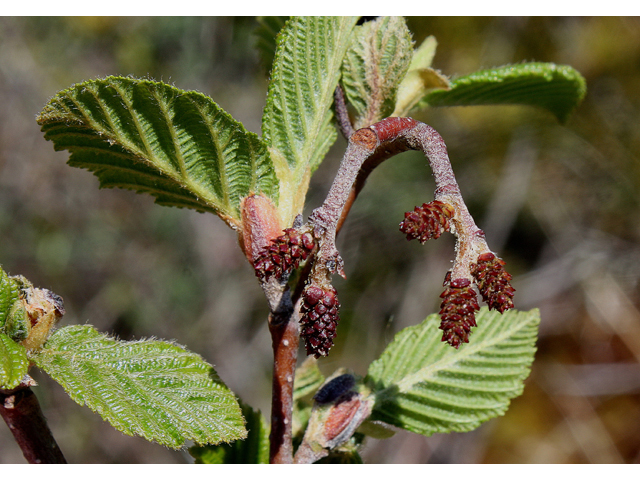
(560, 203)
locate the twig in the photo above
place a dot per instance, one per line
(261, 225)
(368, 147)
(285, 336)
(342, 114)
(21, 412)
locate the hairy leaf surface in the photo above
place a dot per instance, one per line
(154, 389)
(9, 293)
(374, 66)
(251, 450)
(297, 119)
(425, 386)
(150, 137)
(14, 364)
(557, 88)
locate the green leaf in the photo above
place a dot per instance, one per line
(308, 380)
(420, 78)
(557, 88)
(150, 137)
(423, 55)
(266, 33)
(374, 66)
(154, 389)
(297, 119)
(9, 293)
(14, 364)
(253, 449)
(427, 387)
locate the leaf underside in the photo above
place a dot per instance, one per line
(151, 137)
(557, 88)
(427, 387)
(297, 120)
(154, 389)
(374, 66)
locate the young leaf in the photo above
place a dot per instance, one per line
(374, 66)
(9, 293)
(557, 88)
(13, 363)
(420, 78)
(253, 449)
(427, 387)
(266, 33)
(147, 136)
(296, 123)
(154, 389)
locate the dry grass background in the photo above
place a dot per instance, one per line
(559, 202)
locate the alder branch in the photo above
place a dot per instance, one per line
(368, 147)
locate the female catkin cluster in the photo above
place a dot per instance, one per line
(459, 300)
(494, 282)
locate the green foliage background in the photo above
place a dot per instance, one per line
(560, 202)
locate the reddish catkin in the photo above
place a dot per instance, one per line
(284, 254)
(428, 221)
(319, 318)
(493, 282)
(457, 311)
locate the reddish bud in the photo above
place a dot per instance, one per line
(260, 224)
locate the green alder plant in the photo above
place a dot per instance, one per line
(328, 74)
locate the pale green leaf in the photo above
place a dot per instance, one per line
(251, 450)
(14, 364)
(151, 137)
(154, 389)
(420, 78)
(423, 55)
(414, 88)
(423, 385)
(375, 64)
(297, 119)
(556, 88)
(9, 293)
